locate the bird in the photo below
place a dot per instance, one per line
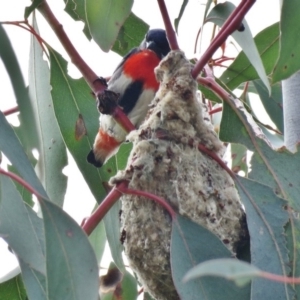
(135, 82)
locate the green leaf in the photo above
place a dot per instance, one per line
(98, 239)
(192, 244)
(272, 103)
(239, 158)
(241, 70)
(20, 227)
(232, 269)
(7, 54)
(72, 100)
(35, 282)
(31, 8)
(288, 62)
(293, 238)
(182, 8)
(105, 18)
(130, 35)
(52, 150)
(218, 15)
(233, 127)
(112, 227)
(13, 289)
(266, 221)
(279, 170)
(25, 194)
(209, 94)
(13, 150)
(112, 219)
(72, 271)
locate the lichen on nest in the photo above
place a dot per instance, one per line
(165, 161)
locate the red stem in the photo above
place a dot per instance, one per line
(157, 199)
(113, 196)
(21, 181)
(11, 111)
(216, 110)
(232, 23)
(29, 29)
(215, 157)
(122, 119)
(280, 278)
(212, 85)
(168, 25)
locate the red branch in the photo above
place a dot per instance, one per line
(122, 119)
(11, 111)
(113, 196)
(215, 157)
(89, 75)
(232, 23)
(121, 188)
(168, 25)
(280, 278)
(216, 110)
(28, 28)
(157, 199)
(21, 181)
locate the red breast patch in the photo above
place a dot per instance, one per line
(140, 66)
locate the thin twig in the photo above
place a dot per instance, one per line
(11, 111)
(232, 23)
(21, 181)
(113, 196)
(157, 199)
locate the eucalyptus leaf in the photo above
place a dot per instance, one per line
(105, 18)
(232, 269)
(13, 289)
(268, 244)
(9, 59)
(52, 150)
(72, 270)
(192, 244)
(72, 100)
(20, 227)
(13, 150)
(288, 62)
(242, 70)
(130, 35)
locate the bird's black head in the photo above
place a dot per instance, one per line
(156, 40)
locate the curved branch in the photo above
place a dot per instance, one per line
(21, 181)
(113, 196)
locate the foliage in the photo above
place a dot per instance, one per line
(57, 259)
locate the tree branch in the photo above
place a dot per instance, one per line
(168, 25)
(88, 74)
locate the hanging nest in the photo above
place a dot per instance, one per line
(165, 161)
